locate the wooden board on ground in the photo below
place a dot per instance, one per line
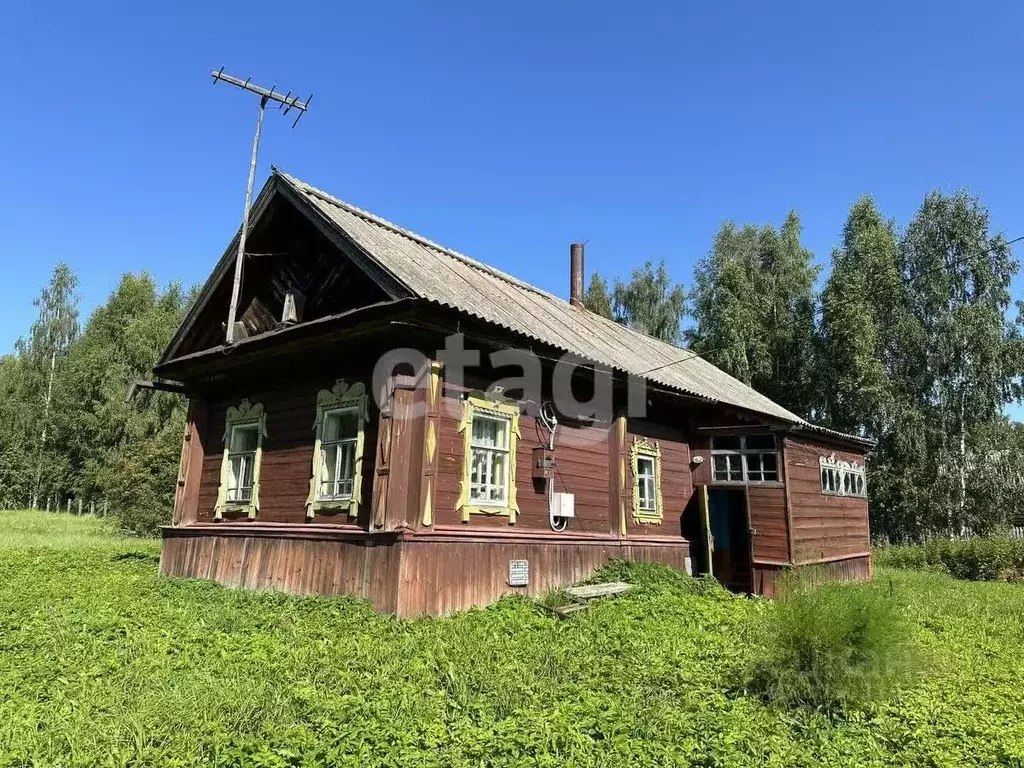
(590, 591)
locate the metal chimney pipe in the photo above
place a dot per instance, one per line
(576, 275)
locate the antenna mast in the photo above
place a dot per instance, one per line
(285, 102)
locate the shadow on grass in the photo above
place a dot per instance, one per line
(145, 557)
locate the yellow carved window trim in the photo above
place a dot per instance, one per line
(342, 396)
(245, 413)
(472, 406)
(647, 449)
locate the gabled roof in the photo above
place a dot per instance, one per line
(452, 279)
(429, 271)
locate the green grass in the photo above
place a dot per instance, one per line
(103, 663)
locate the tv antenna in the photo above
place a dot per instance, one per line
(286, 102)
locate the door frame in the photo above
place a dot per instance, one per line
(707, 542)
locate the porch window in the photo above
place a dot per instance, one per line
(336, 481)
(490, 433)
(744, 458)
(842, 478)
(245, 427)
(647, 499)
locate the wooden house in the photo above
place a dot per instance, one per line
(335, 447)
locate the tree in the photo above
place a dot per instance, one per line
(29, 380)
(126, 452)
(863, 308)
(650, 303)
(597, 297)
(753, 306)
(967, 354)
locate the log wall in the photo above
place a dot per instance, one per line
(848, 569)
(825, 527)
(301, 562)
(287, 461)
(581, 457)
(435, 573)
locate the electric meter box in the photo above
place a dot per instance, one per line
(563, 505)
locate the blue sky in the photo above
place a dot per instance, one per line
(502, 130)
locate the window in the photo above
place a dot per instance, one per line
(336, 481)
(842, 478)
(488, 474)
(241, 461)
(338, 467)
(490, 432)
(750, 458)
(645, 484)
(646, 460)
(244, 429)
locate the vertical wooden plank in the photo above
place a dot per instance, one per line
(790, 545)
(430, 439)
(382, 464)
(616, 450)
(618, 482)
(705, 524)
(190, 471)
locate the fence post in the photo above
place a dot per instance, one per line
(69, 505)
(92, 507)
(79, 505)
(106, 506)
(47, 502)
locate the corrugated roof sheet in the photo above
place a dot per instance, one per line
(452, 279)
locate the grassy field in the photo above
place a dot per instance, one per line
(104, 663)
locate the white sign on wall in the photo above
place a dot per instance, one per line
(518, 573)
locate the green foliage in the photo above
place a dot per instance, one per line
(753, 309)
(107, 664)
(833, 648)
(650, 303)
(976, 559)
(597, 297)
(26, 390)
(862, 313)
(97, 445)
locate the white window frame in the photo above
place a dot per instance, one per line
(478, 405)
(245, 460)
(479, 493)
(244, 415)
(849, 478)
(326, 445)
(647, 485)
(342, 396)
(651, 509)
(743, 453)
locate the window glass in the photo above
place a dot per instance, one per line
(760, 442)
(646, 483)
(241, 462)
(751, 458)
(726, 443)
(338, 454)
(340, 425)
(243, 438)
(489, 460)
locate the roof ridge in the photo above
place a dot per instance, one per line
(380, 221)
